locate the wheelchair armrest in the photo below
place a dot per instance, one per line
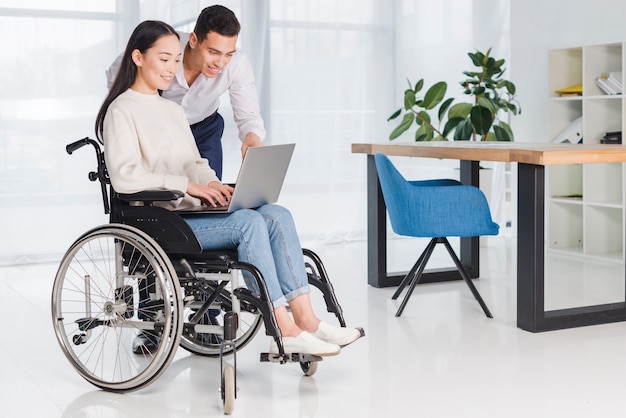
(162, 195)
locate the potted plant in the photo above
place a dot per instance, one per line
(491, 96)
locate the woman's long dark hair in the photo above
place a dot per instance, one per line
(142, 38)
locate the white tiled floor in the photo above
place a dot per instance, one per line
(442, 358)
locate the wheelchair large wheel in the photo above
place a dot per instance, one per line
(208, 344)
(114, 283)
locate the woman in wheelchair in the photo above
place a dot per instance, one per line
(149, 145)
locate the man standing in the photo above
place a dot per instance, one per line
(212, 65)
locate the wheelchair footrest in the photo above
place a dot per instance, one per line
(289, 358)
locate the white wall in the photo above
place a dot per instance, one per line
(540, 25)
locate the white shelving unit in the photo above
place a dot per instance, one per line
(585, 203)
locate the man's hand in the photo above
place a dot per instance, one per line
(214, 193)
(251, 140)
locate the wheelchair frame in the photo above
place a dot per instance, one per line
(145, 273)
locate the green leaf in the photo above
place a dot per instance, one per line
(444, 108)
(478, 91)
(507, 128)
(409, 99)
(514, 109)
(424, 133)
(489, 104)
(501, 134)
(482, 119)
(435, 95)
(450, 125)
(477, 58)
(418, 86)
(459, 110)
(510, 87)
(404, 125)
(463, 131)
(421, 117)
(395, 115)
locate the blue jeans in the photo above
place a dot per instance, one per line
(266, 238)
(208, 136)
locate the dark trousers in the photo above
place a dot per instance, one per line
(208, 135)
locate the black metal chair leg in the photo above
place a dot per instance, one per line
(427, 253)
(409, 276)
(466, 277)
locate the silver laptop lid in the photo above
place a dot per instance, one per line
(259, 182)
(261, 176)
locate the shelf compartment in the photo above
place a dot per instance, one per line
(562, 112)
(600, 59)
(603, 184)
(604, 231)
(566, 69)
(565, 181)
(602, 115)
(565, 226)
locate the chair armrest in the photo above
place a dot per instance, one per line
(162, 195)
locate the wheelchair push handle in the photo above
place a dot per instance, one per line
(70, 148)
(101, 173)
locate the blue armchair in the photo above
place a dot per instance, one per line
(433, 209)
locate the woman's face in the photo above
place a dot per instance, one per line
(157, 65)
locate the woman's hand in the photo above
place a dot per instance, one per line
(214, 193)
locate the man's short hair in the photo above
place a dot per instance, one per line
(217, 19)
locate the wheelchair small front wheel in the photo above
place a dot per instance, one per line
(309, 367)
(228, 389)
(116, 287)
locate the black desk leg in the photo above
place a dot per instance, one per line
(376, 231)
(470, 247)
(377, 275)
(530, 242)
(531, 313)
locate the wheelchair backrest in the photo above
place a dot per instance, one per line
(167, 228)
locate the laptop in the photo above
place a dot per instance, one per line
(259, 181)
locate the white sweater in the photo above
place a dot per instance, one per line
(148, 145)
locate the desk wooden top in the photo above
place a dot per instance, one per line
(529, 153)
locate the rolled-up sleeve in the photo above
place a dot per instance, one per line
(244, 99)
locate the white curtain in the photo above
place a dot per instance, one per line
(329, 74)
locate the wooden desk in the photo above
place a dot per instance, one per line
(531, 159)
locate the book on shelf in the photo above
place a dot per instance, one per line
(575, 90)
(610, 83)
(612, 138)
(574, 196)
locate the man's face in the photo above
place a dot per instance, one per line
(213, 53)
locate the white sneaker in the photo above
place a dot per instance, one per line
(337, 335)
(306, 343)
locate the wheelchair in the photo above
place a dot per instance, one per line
(145, 274)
